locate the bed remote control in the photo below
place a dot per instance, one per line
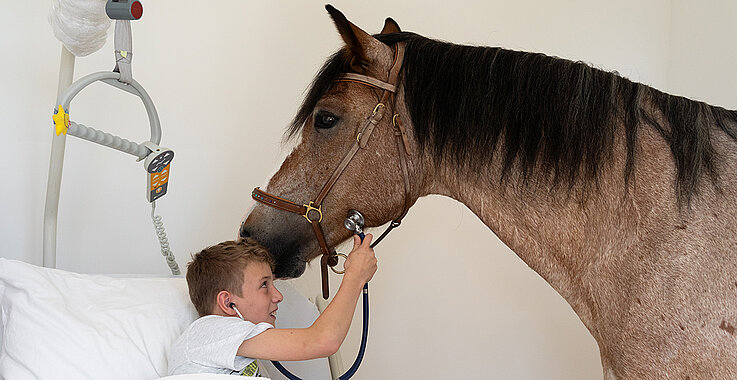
(158, 165)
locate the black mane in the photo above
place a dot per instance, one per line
(543, 115)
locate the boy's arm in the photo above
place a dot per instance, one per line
(326, 335)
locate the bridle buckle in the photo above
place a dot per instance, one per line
(376, 109)
(309, 208)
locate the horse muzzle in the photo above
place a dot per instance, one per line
(287, 246)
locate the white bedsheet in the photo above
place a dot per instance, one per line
(63, 325)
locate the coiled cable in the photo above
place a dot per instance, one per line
(164, 241)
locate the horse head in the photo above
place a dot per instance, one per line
(332, 117)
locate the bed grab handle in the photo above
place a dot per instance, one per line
(110, 78)
(108, 140)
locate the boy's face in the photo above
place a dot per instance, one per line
(259, 298)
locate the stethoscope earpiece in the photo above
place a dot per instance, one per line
(232, 306)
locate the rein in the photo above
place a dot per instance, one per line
(312, 211)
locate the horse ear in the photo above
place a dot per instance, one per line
(357, 40)
(390, 26)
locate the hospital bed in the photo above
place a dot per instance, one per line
(61, 325)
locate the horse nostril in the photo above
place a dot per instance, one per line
(244, 232)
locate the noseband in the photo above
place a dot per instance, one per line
(312, 211)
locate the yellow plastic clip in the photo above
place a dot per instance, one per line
(61, 120)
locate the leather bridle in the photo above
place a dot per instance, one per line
(312, 211)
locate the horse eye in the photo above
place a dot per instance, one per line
(324, 120)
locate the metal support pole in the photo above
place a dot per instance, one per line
(53, 186)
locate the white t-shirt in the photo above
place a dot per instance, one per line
(210, 344)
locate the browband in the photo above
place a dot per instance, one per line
(353, 77)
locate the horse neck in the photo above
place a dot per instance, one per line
(561, 235)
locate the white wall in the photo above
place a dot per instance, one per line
(703, 51)
(227, 77)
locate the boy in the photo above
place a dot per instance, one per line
(231, 286)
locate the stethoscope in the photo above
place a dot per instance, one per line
(232, 306)
(353, 222)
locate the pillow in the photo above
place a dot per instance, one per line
(63, 325)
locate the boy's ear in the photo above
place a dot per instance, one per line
(223, 300)
(360, 44)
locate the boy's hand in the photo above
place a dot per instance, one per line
(327, 333)
(361, 261)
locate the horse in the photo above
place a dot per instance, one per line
(619, 195)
